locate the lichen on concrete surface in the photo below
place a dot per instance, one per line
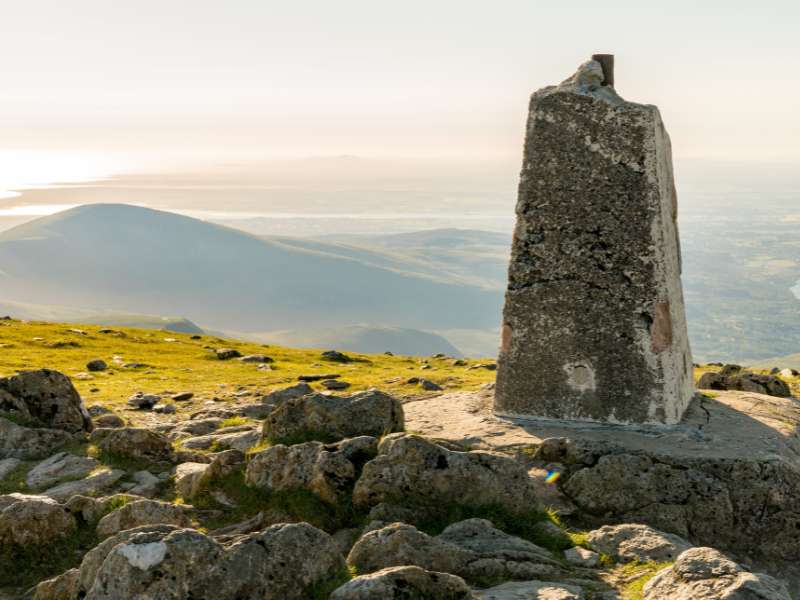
(594, 326)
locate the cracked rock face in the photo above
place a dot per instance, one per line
(594, 326)
(329, 471)
(330, 418)
(134, 442)
(743, 503)
(473, 549)
(282, 562)
(412, 471)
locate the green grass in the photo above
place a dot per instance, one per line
(26, 566)
(298, 505)
(234, 422)
(186, 365)
(635, 575)
(15, 480)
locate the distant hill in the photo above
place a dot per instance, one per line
(138, 260)
(790, 361)
(40, 312)
(366, 339)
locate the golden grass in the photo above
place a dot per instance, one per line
(177, 363)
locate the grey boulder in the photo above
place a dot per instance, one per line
(410, 470)
(634, 542)
(329, 471)
(46, 399)
(27, 521)
(282, 562)
(144, 512)
(404, 582)
(330, 418)
(706, 574)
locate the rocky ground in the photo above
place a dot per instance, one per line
(303, 493)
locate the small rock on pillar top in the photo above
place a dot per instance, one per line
(594, 327)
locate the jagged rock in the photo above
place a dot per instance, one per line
(134, 442)
(99, 482)
(46, 399)
(33, 521)
(637, 542)
(404, 582)
(726, 477)
(283, 562)
(96, 365)
(581, 557)
(144, 512)
(58, 468)
(399, 544)
(109, 421)
(328, 471)
(473, 549)
(498, 554)
(531, 590)
(28, 443)
(733, 377)
(7, 466)
(227, 353)
(63, 587)
(256, 358)
(706, 574)
(411, 469)
(327, 418)
(143, 401)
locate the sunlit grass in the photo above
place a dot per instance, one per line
(187, 364)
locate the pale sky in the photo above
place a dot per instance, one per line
(152, 82)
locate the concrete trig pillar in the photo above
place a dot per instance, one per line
(594, 326)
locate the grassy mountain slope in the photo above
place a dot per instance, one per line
(175, 363)
(38, 312)
(365, 338)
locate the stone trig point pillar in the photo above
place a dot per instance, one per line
(594, 326)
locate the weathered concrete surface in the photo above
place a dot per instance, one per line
(594, 326)
(728, 475)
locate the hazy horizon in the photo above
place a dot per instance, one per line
(114, 88)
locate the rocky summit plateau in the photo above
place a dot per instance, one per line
(286, 489)
(585, 464)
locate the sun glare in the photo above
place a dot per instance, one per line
(23, 169)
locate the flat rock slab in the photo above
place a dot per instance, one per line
(729, 425)
(727, 476)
